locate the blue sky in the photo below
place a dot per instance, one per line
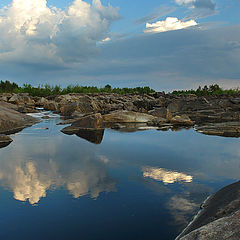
(169, 44)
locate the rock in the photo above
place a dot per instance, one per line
(182, 120)
(144, 104)
(224, 228)
(14, 99)
(5, 96)
(22, 99)
(68, 109)
(94, 122)
(157, 122)
(158, 112)
(219, 216)
(4, 140)
(124, 116)
(225, 129)
(173, 107)
(68, 121)
(12, 121)
(41, 101)
(50, 105)
(91, 121)
(235, 100)
(129, 106)
(45, 117)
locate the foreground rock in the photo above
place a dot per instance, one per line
(4, 140)
(219, 217)
(11, 120)
(224, 228)
(225, 129)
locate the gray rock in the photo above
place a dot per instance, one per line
(222, 205)
(221, 229)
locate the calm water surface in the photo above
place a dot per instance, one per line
(142, 185)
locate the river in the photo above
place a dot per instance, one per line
(140, 185)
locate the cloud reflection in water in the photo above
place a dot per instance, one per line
(166, 176)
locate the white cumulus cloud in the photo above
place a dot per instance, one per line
(32, 32)
(171, 23)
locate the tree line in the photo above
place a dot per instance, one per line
(48, 90)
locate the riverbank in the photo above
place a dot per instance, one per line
(208, 114)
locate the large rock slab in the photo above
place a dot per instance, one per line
(124, 116)
(222, 229)
(222, 206)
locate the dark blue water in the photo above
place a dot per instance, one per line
(142, 185)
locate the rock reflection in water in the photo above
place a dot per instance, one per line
(91, 135)
(165, 176)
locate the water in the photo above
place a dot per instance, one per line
(140, 185)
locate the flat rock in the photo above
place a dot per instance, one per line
(124, 116)
(225, 129)
(11, 120)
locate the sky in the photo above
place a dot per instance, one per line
(164, 44)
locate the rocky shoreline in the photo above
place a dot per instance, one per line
(213, 115)
(89, 114)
